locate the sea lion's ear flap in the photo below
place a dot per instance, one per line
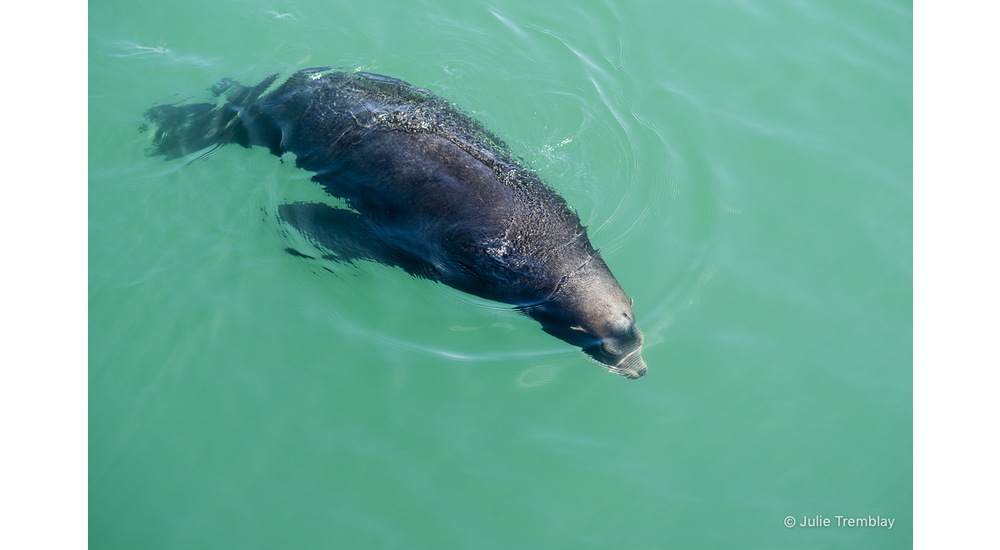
(581, 329)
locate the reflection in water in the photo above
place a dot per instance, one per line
(539, 375)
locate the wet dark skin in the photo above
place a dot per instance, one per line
(429, 190)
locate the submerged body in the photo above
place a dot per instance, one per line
(429, 190)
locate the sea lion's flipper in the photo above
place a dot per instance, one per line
(185, 129)
(345, 236)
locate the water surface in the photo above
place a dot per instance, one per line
(746, 170)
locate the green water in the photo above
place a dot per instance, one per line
(746, 169)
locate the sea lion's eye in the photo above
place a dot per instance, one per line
(610, 349)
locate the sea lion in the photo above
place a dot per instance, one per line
(429, 190)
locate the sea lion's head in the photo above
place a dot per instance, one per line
(589, 309)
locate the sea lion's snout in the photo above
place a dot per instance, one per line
(632, 366)
(621, 351)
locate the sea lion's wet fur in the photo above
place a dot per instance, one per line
(430, 190)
